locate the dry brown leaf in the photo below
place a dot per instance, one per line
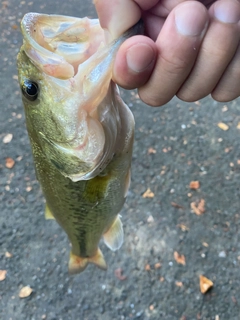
(180, 258)
(151, 150)
(29, 188)
(8, 254)
(9, 163)
(148, 194)
(223, 126)
(147, 267)
(183, 227)
(194, 185)
(157, 265)
(8, 138)
(179, 283)
(25, 292)
(118, 273)
(198, 207)
(3, 274)
(176, 205)
(205, 284)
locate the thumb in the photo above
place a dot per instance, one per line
(116, 16)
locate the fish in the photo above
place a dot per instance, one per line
(80, 130)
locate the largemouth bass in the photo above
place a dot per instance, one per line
(80, 130)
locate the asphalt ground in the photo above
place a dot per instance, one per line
(147, 277)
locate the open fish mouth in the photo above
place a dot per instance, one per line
(58, 44)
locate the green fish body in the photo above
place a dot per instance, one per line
(80, 130)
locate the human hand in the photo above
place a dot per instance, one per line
(190, 49)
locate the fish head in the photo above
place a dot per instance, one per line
(60, 98)
(70, 102)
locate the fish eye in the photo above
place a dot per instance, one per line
(30, 90)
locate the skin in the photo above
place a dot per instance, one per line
(190, 48)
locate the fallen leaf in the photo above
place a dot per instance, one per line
(147, 267)
(198, 207)
(205, 284)
(8, 138)
(118, 273)
(176, 205)
(228, 149)
(8, 254)
(157, 265)
(3, 274)
(223, 126)
(194, 185)
(25, 292)
(180, 258)
(179, 283)
(9, 163)
(151, 150)
(183, 227)
(148, 194)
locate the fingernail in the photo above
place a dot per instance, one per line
(140, 57)
(227, 12)
(189, 20)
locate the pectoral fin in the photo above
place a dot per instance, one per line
(48, 213)
(113, 238)
(78, 264)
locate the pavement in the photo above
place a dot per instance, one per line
(173, 232)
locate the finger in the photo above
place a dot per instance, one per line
(134, 62)
(228, 87)
(178, 44)
(116, 16)
(217, 50)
